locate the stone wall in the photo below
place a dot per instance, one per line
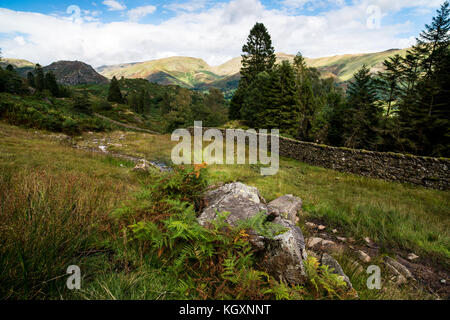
(424, 171)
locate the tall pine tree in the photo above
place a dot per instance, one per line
(114, 94)
(363, 115)
(424, 110)
(258, 56)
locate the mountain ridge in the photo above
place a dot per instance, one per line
(195, 73)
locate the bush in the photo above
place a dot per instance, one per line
(102, 105)
(71, 127)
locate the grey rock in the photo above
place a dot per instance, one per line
(285, 253)
(364, 257)
(336, 268)
(240, 200)
(399, 272)
(142, 166)
(281, 256)
(287, 206)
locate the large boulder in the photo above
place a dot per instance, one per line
(284, 254)
(240, 200)
(281, 256)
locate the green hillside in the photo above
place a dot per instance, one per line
(344, 66)
(197, 74)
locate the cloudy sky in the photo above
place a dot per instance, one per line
(103, 32)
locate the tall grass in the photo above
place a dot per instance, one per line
(54, 208)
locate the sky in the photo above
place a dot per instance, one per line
(105, 32)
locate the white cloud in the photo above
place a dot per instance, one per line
(215, 34)
(138, 13)
(114, 5)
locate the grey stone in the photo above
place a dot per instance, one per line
(364, 257)
(282, 255)
(287, 206)
(285, 253)
(142, 166)
(336, 268)
(240, 200)
(400, 272)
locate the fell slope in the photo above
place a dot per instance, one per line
(197, 74)
(75, 73)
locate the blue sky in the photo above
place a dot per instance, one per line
(116, 31)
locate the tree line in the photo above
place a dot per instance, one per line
(177, 106)
(404, 108)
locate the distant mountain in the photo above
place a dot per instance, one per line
(75, 72)
(344, 66)
(21, 66)
(197, 74)
(183, 71)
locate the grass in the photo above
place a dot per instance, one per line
(392, 214)
(56, 205)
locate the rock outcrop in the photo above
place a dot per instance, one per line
(75, 72)
(335, 267)
(281, 256)
(287, 207)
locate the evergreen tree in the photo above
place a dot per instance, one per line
(258, 56)
(39, 78)
(388, 82)
(10, 68)
(180, 115)
(133, 102)
(363, 115)
(282, 111)
(254, 102)
(82, 104)
(166, 103)
(114, 94)
(51, 84)
(424, 110)
(306, 96)
(237, 101)
(30, 79)
(214, 102)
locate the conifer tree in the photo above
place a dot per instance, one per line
(39, 78)
(388, 82)
(307, 99)
(282, 111)
(363, 115)
(114, 94)
(255, 100)
(258, 56)
(82, 104)
(51, 84)
(424, 110)
(30, 79)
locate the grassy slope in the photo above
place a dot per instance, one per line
(18, 63)
(58, 201)
(188, 71)
(344, 66)
(191, 72)
(390, 213)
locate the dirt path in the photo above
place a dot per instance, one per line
(125, 125)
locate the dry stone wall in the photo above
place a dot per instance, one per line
(424, 171)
